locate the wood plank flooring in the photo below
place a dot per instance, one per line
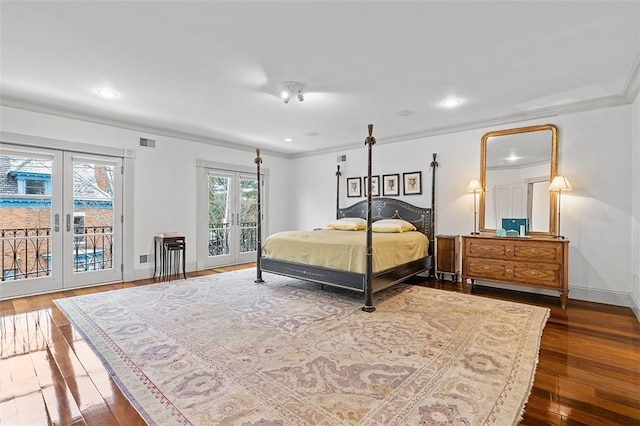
(588, 371)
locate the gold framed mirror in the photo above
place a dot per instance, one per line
(516, 167)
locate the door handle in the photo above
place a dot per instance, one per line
(68, 222)
(56, 222)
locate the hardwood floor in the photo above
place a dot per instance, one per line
(588, 371)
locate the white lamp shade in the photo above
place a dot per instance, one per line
(560, 183)
(474, 186)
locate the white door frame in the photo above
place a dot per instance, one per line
(22, 141)
(202, 172)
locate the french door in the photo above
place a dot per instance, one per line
(61, 220)
(232, 218)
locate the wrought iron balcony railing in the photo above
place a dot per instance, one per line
(27, 252)
(219, 238)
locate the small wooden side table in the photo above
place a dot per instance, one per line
(447, 256)
(172, 250)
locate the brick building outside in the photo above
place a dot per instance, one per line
(26, 216)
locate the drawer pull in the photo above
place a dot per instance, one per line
(509, 271)
(486, 268)
(485, 249)
(509, 251)
(534, 273)
(535, 252)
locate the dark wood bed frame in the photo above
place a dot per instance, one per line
(371, 209)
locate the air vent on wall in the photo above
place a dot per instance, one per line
(150, 143)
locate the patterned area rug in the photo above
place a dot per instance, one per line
(221, 349)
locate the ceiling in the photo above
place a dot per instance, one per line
(211, 70)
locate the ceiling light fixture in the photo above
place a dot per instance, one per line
(450, 103)
(107, 93)
(289, 89)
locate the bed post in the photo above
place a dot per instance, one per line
(434, 165)
(259, 279)
(368, 277)
(338, 174)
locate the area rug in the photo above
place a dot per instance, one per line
(224, 350)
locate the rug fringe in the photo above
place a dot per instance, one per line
(535, 367)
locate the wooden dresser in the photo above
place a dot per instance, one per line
(531, 262)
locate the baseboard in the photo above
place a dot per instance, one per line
(143, 273)
(576, 293)
(147, 271)
(601, 296)
(635, 295)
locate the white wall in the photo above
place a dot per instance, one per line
(594, 153)
(164, 197)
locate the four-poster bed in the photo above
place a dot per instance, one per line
(412, 256)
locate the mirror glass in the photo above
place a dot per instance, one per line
(516, 167)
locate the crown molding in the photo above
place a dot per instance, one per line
(632, 87)
(43, 108)
(554, 111)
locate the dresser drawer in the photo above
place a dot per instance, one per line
(512, 249)
(533, 274)
(539, 251)
(538, 275)
(485, 269)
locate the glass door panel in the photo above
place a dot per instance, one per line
(220, 215)
(232, 218)
(93, 220)
(248, 222)
(28, 184)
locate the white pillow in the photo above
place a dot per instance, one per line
(348, 224)
(392, 225)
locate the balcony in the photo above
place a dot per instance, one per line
(27, 252)
(220, 234)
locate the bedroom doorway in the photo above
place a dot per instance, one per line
(60, 225)
(231, 216)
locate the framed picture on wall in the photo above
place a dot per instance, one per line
(375, 186)
(412, 183)
(354, 187)
(390, 185)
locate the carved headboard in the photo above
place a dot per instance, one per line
(391, 208)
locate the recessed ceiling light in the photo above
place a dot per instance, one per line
(450, 103)
(288, 140)
(107, 93)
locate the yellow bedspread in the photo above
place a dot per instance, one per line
(345, 250)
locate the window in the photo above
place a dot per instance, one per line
(34, 187)
(32, 183)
